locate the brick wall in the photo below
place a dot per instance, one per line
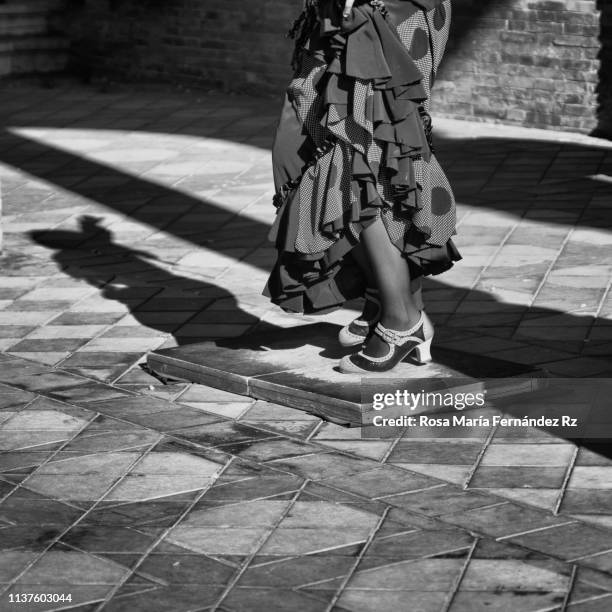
(527, 62)
(531, 62)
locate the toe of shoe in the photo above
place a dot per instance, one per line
(348, 338)
(346, 366)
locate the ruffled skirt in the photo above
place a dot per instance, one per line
(354, 145)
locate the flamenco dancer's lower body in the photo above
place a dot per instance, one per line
(363, 207)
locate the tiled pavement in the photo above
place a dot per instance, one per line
(131, 502)
(138, 220)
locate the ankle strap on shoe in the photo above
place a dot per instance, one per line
(395, 337)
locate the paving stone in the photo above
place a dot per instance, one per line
(252, 488)
(591, 477)
(590, 576)
(381, 482)
(454, 452)
(587, 501)
(501, 520)
(434, 575)
(600, 604)
(457, 474)
(267, 450)
(200, 393)
(63, 568)
(15, 331)
(506, 602)
(294, 572)
(296, 429)
(518, 476)
(540, 498)
(266, 411)
(569, 541)
(97, 359)
(143, 515)
(186, 569)
(213, 541)
(441, 499)
(513, 575)
(369, 449)
(87, 318)
(388, 601)
(602, 562)
(101, 539)
(217, 434)
(305, 540)
(527, 455)
(180, 599)
(243, 599)
(597, 520)
(417, 545)
(324, 466)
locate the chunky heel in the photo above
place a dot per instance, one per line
(423, 352)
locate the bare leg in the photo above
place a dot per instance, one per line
(416, 285)
(360, 256)
(370, 309)
(390, 269)
(416, 288)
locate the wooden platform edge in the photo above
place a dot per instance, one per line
(335, 410)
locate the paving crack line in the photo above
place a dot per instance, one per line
(361, 555)
(455, 588)
(481, 453)
(566, 479)
(537, 530)
(262, 541)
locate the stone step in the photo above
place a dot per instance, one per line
(33, 54)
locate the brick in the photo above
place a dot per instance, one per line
(536, 62)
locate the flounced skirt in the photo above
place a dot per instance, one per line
(354, 145)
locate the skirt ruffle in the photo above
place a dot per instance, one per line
(354, 145)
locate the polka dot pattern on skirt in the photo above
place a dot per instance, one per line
(420, 44)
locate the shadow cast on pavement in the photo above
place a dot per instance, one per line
(561, 203)
(120, 272)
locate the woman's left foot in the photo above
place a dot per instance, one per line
(360, 329)
(399, 345)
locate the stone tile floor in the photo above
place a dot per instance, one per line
(136, 220)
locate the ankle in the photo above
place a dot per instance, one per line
(371, 306)
(400, 321)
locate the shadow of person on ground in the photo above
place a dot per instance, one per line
(138, 280)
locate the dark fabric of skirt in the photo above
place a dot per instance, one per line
(354, 145)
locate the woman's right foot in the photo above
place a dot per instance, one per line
(398, 345)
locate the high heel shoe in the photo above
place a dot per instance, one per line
(415, 340)
(357, 332)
